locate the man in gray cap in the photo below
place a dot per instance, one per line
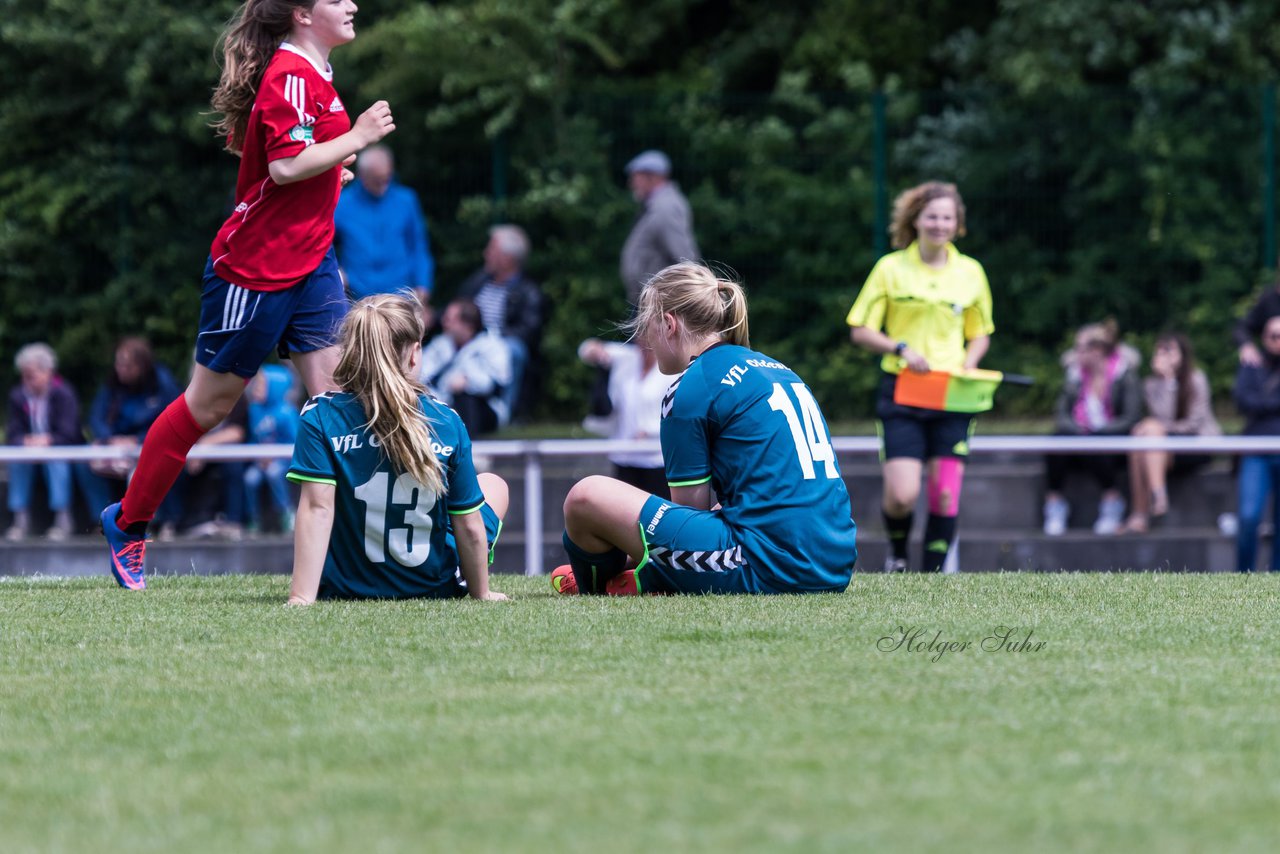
(663, 233)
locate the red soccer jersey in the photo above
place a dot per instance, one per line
(278, 234)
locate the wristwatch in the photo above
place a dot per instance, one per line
(900, 348)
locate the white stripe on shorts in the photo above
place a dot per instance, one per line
(233, 307)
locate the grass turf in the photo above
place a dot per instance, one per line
(204, 716)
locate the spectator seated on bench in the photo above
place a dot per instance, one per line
(1178, 404)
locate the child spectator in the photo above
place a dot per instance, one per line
(1101, 397)
(467, 368)
(1178, 404)
(513, 309)
(272, 420)
(42, 412)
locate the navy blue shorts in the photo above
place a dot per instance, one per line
(690, 551)
(239, 328)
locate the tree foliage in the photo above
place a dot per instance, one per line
(112, 185)
(1111, 154)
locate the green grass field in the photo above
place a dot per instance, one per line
(204, 716)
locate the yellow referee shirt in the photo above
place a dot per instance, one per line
(935, 310)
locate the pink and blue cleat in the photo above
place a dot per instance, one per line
(128, 551)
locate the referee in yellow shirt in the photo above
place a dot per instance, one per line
(925, 307)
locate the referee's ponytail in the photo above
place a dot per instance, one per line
(708, 304)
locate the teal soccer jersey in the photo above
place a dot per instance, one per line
(390, 537)
(751, 427)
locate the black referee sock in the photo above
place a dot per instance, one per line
(899, 531)
(939, 531)
(592, 571)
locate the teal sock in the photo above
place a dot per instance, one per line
(593, 571)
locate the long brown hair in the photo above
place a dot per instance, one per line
(708, 304)
(1186, 368)
(909, 204)
(376, 337)
(250, 39)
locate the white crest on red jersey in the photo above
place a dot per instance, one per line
(336, 106)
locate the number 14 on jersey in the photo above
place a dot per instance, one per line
(813, 444)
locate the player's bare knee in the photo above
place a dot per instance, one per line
(900, 498)
(583, 496)
(496, 493)
(210, 412)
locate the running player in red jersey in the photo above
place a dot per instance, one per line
(272, 279)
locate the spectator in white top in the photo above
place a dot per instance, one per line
(468, 368)
(636, 388)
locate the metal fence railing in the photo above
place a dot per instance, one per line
(533, 453)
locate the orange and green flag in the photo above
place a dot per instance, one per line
(963, 391)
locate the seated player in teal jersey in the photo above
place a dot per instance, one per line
(391, 505)
(738, 425)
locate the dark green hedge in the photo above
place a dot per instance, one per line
(1114, 156)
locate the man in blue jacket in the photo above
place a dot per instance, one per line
(381, 233)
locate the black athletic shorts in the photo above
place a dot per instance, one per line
(920, 434)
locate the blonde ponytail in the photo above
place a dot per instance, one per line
(708, 304)
(376, 336)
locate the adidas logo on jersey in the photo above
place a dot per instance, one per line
(336, 106)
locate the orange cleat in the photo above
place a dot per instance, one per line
(563, 582)
(623, 584)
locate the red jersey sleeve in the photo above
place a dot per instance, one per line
(287, 126)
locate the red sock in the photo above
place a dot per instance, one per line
(164, 453)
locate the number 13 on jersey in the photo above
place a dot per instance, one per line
(397, 521)
(813, 444)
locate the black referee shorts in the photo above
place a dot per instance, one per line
(919, 434)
